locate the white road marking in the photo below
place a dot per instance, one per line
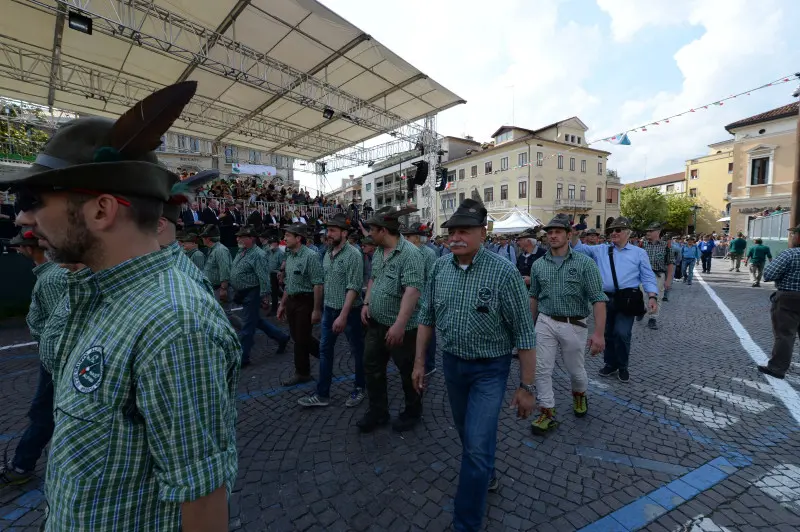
(784, 390)
(598, 384)
(702, 524)
(782, 483)
(740, 401)
(760, 386)
(15, 346)
(706, 416)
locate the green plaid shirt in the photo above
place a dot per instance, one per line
(218, 265)
(303, 271)
(429, 256)
(50, 287)
(197, 257)
(182, 263)
(480, 312)
(249, 270)
(658, 255)
(274, 258)
(145, 403)
(343, 272)
(568, 289)
(403, 268)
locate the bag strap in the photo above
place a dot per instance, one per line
(613, 269)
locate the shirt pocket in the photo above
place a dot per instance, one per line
(484, 318)
(81, 440)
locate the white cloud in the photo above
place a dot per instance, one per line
(628, 18)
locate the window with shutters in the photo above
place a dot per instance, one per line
(523, 189)
(538, 189)
(503, 192)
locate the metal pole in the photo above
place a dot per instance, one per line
(794, 214)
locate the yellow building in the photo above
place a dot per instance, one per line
(764, 160)
(543, 172)
(709, 178)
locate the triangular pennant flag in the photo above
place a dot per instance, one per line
(691, 110)
(655, 123)
(667, 121)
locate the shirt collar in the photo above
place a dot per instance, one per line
(40, 269)
(476, 260)
(119, 278)
(549, 254)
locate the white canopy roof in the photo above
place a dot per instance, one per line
(266, 68)
(515, 222)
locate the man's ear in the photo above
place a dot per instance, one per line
(162, 224)
(101, 212)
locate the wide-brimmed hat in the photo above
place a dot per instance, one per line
(339, 220)
(470, 213)
(592, 231)
(184, 236)
(367, 241)
(655, 226)
(171, 212)
(528, 233)
(620, 223)
(96, 154)
(209, 231)
(414, 229)
(297, 229)
(389, 217)
(559, 221)
(247, 230)
(24, 238)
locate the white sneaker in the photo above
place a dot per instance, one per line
(356, 397)
(313, 400)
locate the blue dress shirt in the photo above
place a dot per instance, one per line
(631, 264)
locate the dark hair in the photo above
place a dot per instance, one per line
(758, 241)
(145, 213)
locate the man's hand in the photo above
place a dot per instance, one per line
(418, 375)
(281, 312)
(316, 317)
(597, 343)
(668, 284)
(265, 303)
(395, 334)
(365, 316)
(524, 402)
(527, 279)
(652, 306)
(339, 324)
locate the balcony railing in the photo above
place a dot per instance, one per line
(502, 204)
(572, 203)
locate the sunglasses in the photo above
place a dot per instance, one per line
(29, 200)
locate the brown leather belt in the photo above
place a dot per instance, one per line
(574, 320)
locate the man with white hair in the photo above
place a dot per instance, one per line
(623, 268)
(529, 252)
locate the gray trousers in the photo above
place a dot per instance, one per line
(785, 313)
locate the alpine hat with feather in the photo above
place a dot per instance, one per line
(100, 155)
(470, 213)
(339, 220)
(389, 217)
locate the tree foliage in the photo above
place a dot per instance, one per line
(643, 206)
(679, 212)
(20, 140)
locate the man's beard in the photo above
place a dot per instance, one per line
(335, 242)
(78, 244)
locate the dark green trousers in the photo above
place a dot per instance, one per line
(376, 358)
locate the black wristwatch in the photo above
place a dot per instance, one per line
(530, 388)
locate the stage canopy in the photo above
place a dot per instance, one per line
(284, 76)
(515, 222)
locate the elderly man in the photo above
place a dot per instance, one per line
(623, 268)
(478, 303)
(592, 237)
(132, 337)
(505, 249)
(662, 264)
(785, 311)
(529, 253)
(189, 243)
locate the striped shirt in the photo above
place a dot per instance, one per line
(785, 271)
(218, 265)
(343, 272)
(480, 312)
(145, 406)
(250, 270)
(566, 289)
(303, 271)
(50, 287)
(391, 275)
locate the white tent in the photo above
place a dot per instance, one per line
(515, 222)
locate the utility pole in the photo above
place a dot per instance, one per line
(794, 214)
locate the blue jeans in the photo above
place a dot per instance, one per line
(251, 307)
(476, 389)
(618, 337)
(39, 432)
(688, 269)
(355, 337)
(430, 353)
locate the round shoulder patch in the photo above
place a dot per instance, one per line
(88, 372)
(485, 295)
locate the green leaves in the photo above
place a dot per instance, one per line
(643, 206)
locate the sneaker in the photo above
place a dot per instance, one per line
(623, 375)
(494, 484)
(313, 400)
(580, 404)
(545, 422)
(356, 397)
(607, 371)
(651, 323)
(665, 298)
(297, 379)
(371, 421)
(405, 421)
(282, 345)
(13, 476)
(732, 270)
(772, 372)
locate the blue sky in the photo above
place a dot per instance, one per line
(615, 64)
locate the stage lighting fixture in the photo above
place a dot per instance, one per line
(370, 163)
(80, 23)
(327, 113)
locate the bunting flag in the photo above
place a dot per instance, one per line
(621, 139)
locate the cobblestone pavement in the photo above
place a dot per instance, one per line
(697, 440)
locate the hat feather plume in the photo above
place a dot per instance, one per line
(139, 130)
(185, 191)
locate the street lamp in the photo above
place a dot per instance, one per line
(695, 208)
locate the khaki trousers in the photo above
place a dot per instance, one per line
(551, 337)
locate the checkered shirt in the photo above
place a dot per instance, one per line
(182, 263)
(568, 289)
(145, 406)
(391, 275)
(303, 271)
(480, 312)
(218, 265)
(429, 256)
(343, 272)
(785, 271)
(197, 258)
(250, 270)
(275, 258)
(50, 287)
(659, 258)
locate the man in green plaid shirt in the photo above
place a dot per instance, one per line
(50, 288)
(662, 262)
(565, 286)
(390, 314)
(145, 437)
(415, 233)
(275, 257)
(476, 301)
(189, 243)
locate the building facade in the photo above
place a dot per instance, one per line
(710, 178)
(665, 184)
(543, 172)
(764, 164)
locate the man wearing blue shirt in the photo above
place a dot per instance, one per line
(506, 250)
(706, 249)
(632, 267)
(691, 254)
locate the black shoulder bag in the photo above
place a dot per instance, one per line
(628, 301)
